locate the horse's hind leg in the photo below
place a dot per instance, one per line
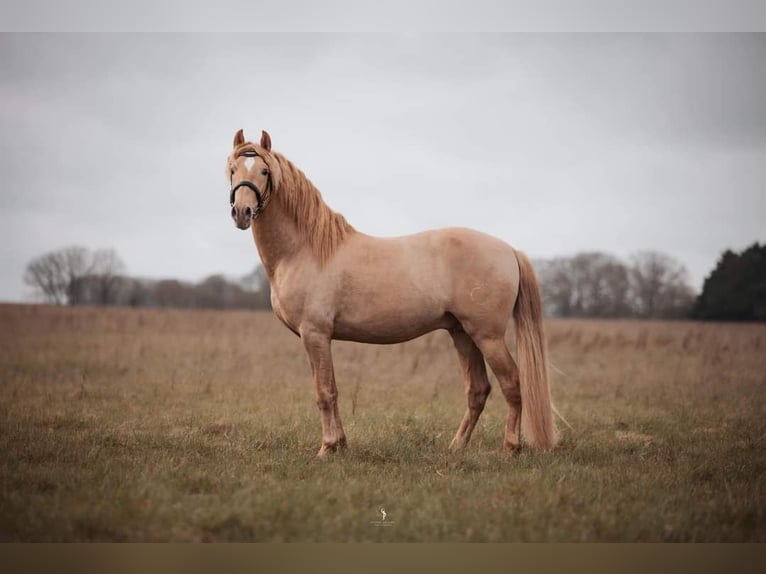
(317, 347)
(507, 374)
(476, 385)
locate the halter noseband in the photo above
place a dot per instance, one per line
(251, 185)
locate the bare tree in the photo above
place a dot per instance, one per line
(612, 289)
(76, 264)
(74, 275)
(107, 271)
(60, 275)
(137, 294)
(214, 292)
(44, 274)
(557, 284)
(173, 293)
(660, 285)
(586, 285)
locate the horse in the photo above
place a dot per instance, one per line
(331, 282)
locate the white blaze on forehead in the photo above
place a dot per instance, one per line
(249, 161)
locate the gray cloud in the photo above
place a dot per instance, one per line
(555, 143)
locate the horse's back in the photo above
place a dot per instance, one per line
(460, 243)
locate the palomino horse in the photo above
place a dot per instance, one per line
(330, 281)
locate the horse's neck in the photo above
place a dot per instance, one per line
(276, 237)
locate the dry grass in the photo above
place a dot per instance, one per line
(174, 425)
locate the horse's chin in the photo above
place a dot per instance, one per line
(244, 225)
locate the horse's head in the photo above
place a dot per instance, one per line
(253, 174)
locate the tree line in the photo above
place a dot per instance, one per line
(78, 276)
(595, 284)
(654, 285)
(591, 284)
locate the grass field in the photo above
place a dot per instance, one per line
(145, 425)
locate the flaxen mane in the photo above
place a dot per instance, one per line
(323, 228)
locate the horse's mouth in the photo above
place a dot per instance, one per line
(243, 225)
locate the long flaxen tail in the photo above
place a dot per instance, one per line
(537, 423)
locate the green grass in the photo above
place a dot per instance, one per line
(195, 426)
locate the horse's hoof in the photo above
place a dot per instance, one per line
(331, 448)
(457, 446)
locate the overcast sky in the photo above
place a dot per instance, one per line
(555, 143)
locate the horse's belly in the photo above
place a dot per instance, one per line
(386, 326)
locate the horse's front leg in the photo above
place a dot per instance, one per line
(317, 347)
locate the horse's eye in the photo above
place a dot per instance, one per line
(264, 172)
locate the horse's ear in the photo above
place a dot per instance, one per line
(239, 139)
(265, 140)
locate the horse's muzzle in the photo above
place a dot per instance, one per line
(242, 217)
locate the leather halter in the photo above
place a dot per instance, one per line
(249, 184)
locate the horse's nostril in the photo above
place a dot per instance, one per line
(233, 211)
(248, 212)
